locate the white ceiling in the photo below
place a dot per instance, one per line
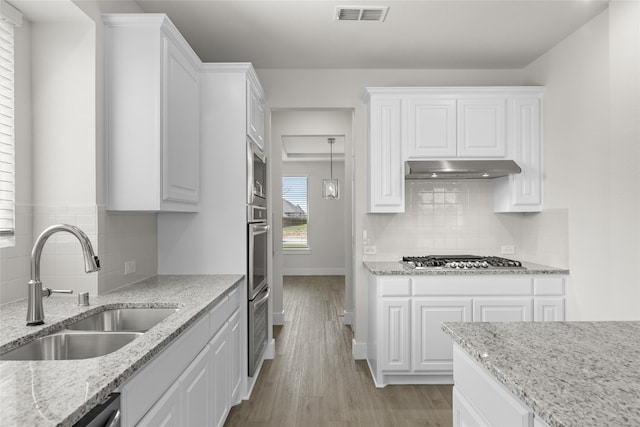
(415, 34)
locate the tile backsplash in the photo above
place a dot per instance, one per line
(116, 238)
(447, 217)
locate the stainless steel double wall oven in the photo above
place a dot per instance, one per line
(257, 228)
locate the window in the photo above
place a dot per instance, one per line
(9, 17)
(295, 213)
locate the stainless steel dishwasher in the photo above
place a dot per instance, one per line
(104, 415)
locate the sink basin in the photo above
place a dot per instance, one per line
(123, 319)
(71, 346)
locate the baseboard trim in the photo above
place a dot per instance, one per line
(270, 351)
(313, 271)
(358, 350)
(348, 318)
(278, 318)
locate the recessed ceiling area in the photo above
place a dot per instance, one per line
(312, 148)
(415, 34)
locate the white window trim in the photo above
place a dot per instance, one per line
(11, 18)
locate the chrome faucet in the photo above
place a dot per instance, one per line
(35, 311)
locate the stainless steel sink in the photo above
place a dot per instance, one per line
(123, 319)
(71, 346)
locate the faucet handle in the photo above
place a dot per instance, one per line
(46, 292)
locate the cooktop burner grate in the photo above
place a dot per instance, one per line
(459, 262)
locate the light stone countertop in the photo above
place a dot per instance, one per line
(59, 393)
(569, 373)
(396, 268)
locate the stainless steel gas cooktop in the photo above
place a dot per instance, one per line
(459, 262)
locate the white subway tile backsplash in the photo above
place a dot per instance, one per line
(458, 217)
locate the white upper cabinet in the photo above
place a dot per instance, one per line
(386, 168)
(455, 123)
(255, 113)
(431, 128)
(523, 192)
(152, 115)
(482, 127)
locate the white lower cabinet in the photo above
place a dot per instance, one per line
(195, 390)
(220, 377)
(406, 344)
(480, 400)
(395, 334)
(196, 379)
(432, 349)
(166, 412)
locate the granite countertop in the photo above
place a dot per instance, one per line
(50, 393)
(569, 373)
(396, 268)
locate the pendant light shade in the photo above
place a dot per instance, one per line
(331, 187)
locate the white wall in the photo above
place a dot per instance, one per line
(331, 88)
(326, 227)
(63, 126)
(591, 160)
(122, 236)
(60, 154)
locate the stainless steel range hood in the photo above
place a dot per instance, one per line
(460, 169)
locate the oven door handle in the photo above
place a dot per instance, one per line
(262, 300)
(260, 228)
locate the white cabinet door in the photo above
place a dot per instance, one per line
(255, 115)
(464, 414)
(152, 116)
(523, 192)
(502, 309)
(482, 127)
(386, 166)
(195, 386)
(432, 348)
(166, 412)
(396, 338)
(181, 142)
(548, 309)
(431, 128)
(220, 376)
(235, 359)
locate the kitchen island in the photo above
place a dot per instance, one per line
(47, 393)
(564, 373)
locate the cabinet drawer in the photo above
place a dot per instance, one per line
(479, 285)
(219, 315)
(552, 286)
(234, 300)
(487, 396)
(395, 287)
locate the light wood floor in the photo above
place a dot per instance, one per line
(314, 381)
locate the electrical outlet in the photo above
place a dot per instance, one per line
(129, 267)
(369, 250)
(507, 250)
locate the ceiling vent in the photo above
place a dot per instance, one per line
(368, 13)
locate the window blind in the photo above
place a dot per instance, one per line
(9, 17)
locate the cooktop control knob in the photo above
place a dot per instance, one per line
(485, 264)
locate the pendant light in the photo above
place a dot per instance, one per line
(331, 187)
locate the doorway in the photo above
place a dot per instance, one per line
(312, 235)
